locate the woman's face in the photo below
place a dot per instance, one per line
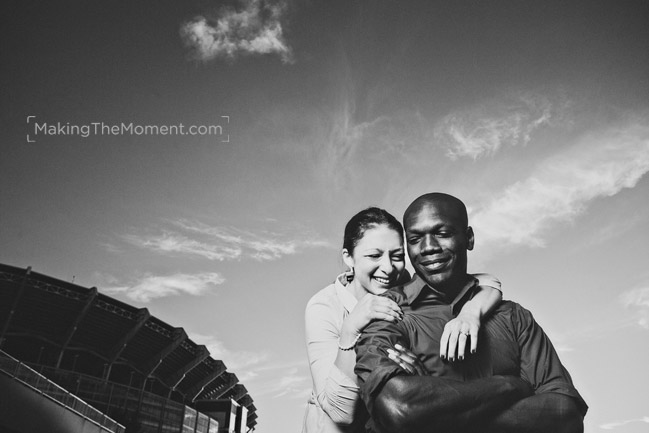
(378, 259)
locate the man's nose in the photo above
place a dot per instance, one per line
(429, 245)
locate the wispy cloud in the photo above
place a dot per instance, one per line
(638, 301)
(171, 242)
(151, 287)
(221, 243)
(257, 371)
(254, 29)
(351, 155)
(616, 424)
(284, 380)
(485, 128)
(245, 364)
(600, 164)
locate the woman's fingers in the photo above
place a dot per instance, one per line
(385, 309)
(443, 342)
(461, 345)
(453, 343)
(389, 315)
(474, 338)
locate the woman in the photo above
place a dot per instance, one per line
(336, 315)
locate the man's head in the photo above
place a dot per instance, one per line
(438, 238)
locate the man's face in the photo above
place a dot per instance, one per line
(438, 240)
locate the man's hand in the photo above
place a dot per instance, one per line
(407, 360)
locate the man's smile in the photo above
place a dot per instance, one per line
(435, 264)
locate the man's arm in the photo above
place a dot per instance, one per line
(398, 402)
(413, 404)
(556, 406)
(540, 413)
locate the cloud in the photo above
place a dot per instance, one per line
(283, 380)
(256, 29)
(638, 300)
(616, 424)
(354, 154)
(292, 384)
(243, 363)
(169, 242)
(484, 129)
(350, 155)
(226, 243)
(152, 287)
(256, 371)
(600, 164)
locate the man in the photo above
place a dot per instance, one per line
(513, 383)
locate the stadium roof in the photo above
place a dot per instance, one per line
(73, 318)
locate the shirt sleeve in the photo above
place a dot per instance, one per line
(488, 280)
(336, 393)
(540, 364)
(373, 367)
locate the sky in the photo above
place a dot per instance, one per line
(298, 114)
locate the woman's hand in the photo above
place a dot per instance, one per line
(370, 307)
(407, 360)
(456, 333)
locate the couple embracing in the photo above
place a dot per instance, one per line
(438, 352)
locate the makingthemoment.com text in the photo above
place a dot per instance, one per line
(101, 128)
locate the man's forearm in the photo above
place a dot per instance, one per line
(541, 413)
(415, 404)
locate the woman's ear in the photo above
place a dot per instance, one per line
(348, 259)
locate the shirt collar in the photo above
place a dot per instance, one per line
(348, 300)
(414, 287)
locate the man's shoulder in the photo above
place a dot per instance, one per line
(511, 312)
(511, 307)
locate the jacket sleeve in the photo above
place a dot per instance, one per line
(336, 393)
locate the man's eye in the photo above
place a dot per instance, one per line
(413, 240)
(444, 234)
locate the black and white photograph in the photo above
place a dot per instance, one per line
(274, 216)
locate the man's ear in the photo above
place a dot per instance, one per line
(470, 238)
(348, 259)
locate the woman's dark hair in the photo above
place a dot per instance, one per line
(367, 219)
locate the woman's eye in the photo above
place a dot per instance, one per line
(398, 258)
(373, 256)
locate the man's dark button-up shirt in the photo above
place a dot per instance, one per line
(510, 343)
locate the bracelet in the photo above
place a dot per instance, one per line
(358, 336)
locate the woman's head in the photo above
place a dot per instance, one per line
(373, 248)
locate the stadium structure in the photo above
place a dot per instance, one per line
(75, 360)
